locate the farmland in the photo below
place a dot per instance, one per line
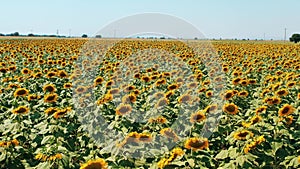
(79, 103)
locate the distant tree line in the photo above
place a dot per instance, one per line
(35, 35)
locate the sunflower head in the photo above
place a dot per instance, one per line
(123, 109)
(95, 164)
(49, 88)
(286, 110)
(242, 135)
(230, 108)
(196, 144)
(21, 110)
(197, 117)
(21, 92)
(50, 98)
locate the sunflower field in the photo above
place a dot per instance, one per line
(80, 103)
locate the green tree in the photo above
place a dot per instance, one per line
(295, 38)
(84, 36)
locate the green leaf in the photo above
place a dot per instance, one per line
(222, 155)
(48, 139)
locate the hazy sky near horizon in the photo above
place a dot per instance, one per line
(214, 18)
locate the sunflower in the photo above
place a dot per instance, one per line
(21, 92)
(236, 81)
(291, 84)
(169, 133)
(99, 80)
(146, 79)
(51, 74)
(128, 88)
(145, 137)
(286, 110)
(110, 83)
(209, 93)
(160, 82)
(123, 109)
(242, 135)
(130, 98)
(197, 117)
(298, 96)
(196, 144)
(67, 85)
(255, 119)
(211, 108)
(230, 108)
(62, 74)
(160, 120)
(162, 102)
(114, 91)
(32, 97)
(25, 71)
(243, 93)
(184, 99)
(260, 109)
(169, 94)
(21, 110)
(173, 86)
(50, 98)
(49, 88)
(51, 110)
(289, 120)
(228, 95)
(95, 164)
(81, 89)
(61, 112)
(192, 85)
(282, 92)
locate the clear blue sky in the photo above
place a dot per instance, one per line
(214, 18)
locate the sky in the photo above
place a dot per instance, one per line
(226, 19)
